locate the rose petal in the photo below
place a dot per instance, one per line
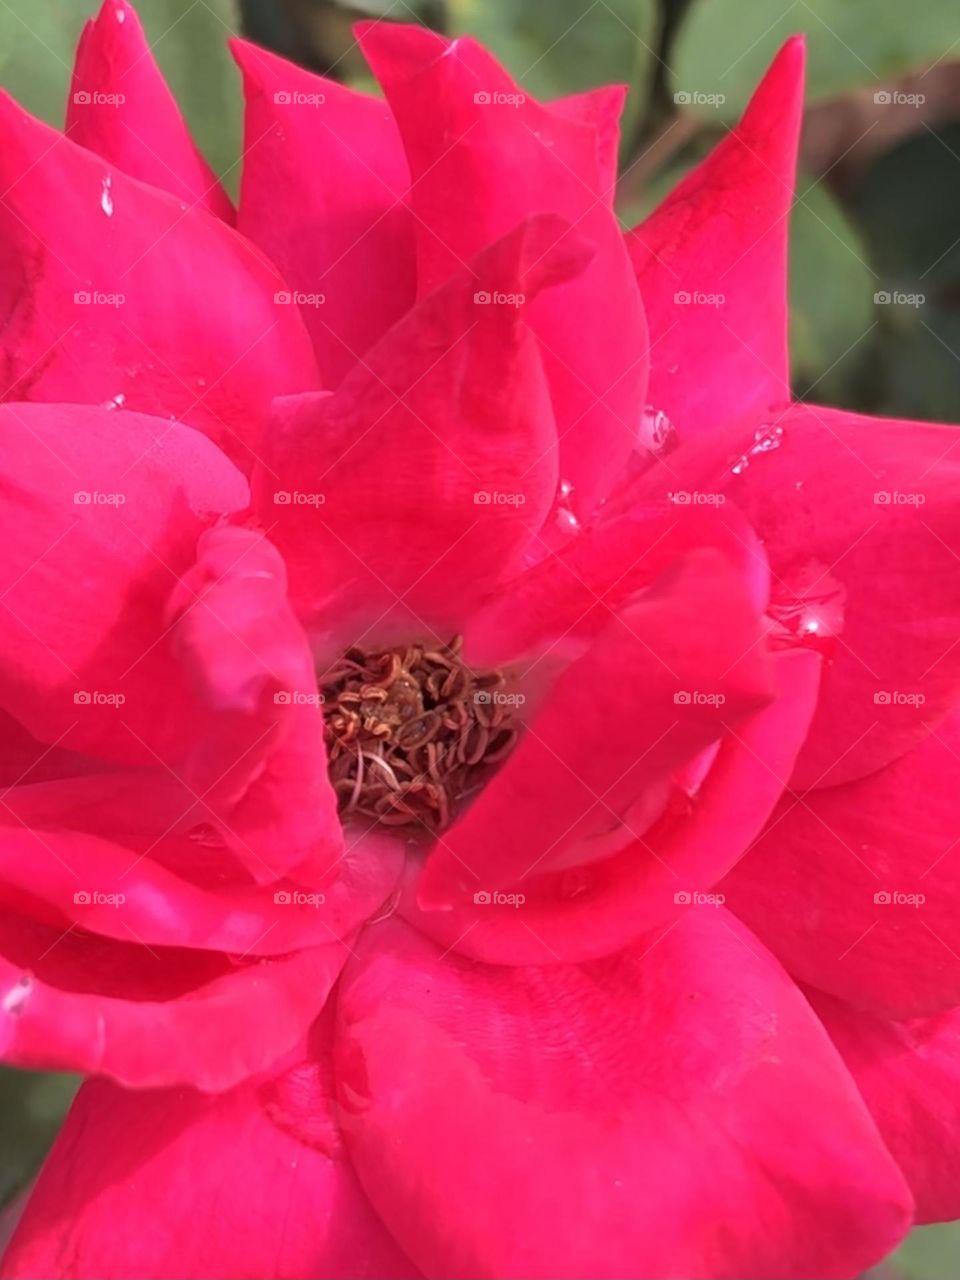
(711, 262)
(637, 1116)
(122, 293)
(70, 1001)
(483, 156)
(419, 482)
(856, 888)
(206, 1189)
(908, 1075)
(323, 191)
(121, 108)
(595, 910)
(593, 768)
(859, 520)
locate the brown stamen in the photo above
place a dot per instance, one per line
(410, 730)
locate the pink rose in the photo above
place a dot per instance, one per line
(479, 773)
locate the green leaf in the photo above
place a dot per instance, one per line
(831, 298)
(726, 45)
(32, 1106)
(188, 39)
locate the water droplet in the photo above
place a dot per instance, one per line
(115, 402)
(674, 368)
(120, 14)
(106, 199)
(564, 490)
(765, 440)
(808, 608)
(207, 835)
(565, 521)
(17, 996)
(657, 433)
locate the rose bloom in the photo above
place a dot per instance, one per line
(479, 762)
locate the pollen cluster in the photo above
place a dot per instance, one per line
(411, 730)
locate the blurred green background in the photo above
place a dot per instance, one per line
(876, 210)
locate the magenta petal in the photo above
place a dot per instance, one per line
(711, 262)
(859, 519)
(483, 156)
(909, 1076)
(71, 1001)
(636, 1116)
(323, 194)
(595, 764)
(164, 1183)
(121, 108)
(594, 910)
(418, 483)
(856, 887)
(121, 294)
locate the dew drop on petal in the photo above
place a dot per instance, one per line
(808, 608)
(657, 433)
(765, 440)
(16, 996)
(106, 199)
(207, 835)
(115, 402)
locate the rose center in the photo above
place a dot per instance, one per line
(411, 730)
